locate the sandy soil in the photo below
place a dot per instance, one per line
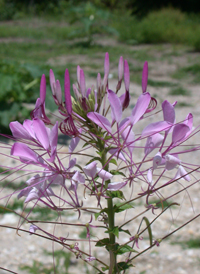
(22, 249)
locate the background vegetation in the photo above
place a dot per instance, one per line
(32, 32)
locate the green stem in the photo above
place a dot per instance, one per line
(111, 222)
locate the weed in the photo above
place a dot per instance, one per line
(180, 91)
(184, 104)
(160, 203)
(14, 186)
(42, 213)
(62, 264)
(160, 83)
(189, 71)
(192, 243)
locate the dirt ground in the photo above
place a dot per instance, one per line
(22, 248)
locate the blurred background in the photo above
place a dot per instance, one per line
(38, 35)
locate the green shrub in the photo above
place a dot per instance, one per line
(7, 10)
(163, 26)
(19, 83)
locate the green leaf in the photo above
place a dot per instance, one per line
(123, 266)
(104, 268)
(112, 247)
(119, 208)
(93, 159)
(125, 231)
(99, 213)
(116, 194)
(125, 248)
(96, 215)
(149, 230)
(114, 231)
(115, 172)
(108, 137)
(113, 161)
(103, 242)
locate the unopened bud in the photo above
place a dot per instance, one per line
(145, 77)
(126, 75)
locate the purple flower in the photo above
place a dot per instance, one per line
(56, 89)
(68, 127)
(136, 238)
(92, 170)
(37, 188)
(39, 111)
(39, 134)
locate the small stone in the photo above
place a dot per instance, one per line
(9, 218)
(31, 248)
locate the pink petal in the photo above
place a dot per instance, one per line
(33, 180)
(58, 92)
(53, 142)
(145, 77)
(32, 195)
(116, 106)
(56, 179)
(100, 120)
(120, 69)
(104, 174)
(68, 101)
(82, 83)
(181, 172)
(98, 82)
(72, 163)
(153, 142)
(116, 153)
(168, 112)
(78, 178)
(24, 152)
(126, 100)
(76, 92)
(43, 89)
(37, 112)
(24, 192)
(157, 160)
(179, 132)
(106, 70)
(171, 162)
(126, 75)
(90, 259)
(96, 104)
(140, 107)
(88, 92)
(52, 80)
(54, 136)
(28, 125)
(18, 131)
(149, 176)
(189, 121)
(74, 142)
(129, 137)
(122, 98)
(116, 186)
(33, 228)
(41, 133)
(91, 169)
(155, 128)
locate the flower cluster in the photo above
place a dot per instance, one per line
(99, 118)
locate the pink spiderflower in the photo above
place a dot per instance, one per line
(39, 111)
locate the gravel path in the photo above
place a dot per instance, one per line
(21, 248)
